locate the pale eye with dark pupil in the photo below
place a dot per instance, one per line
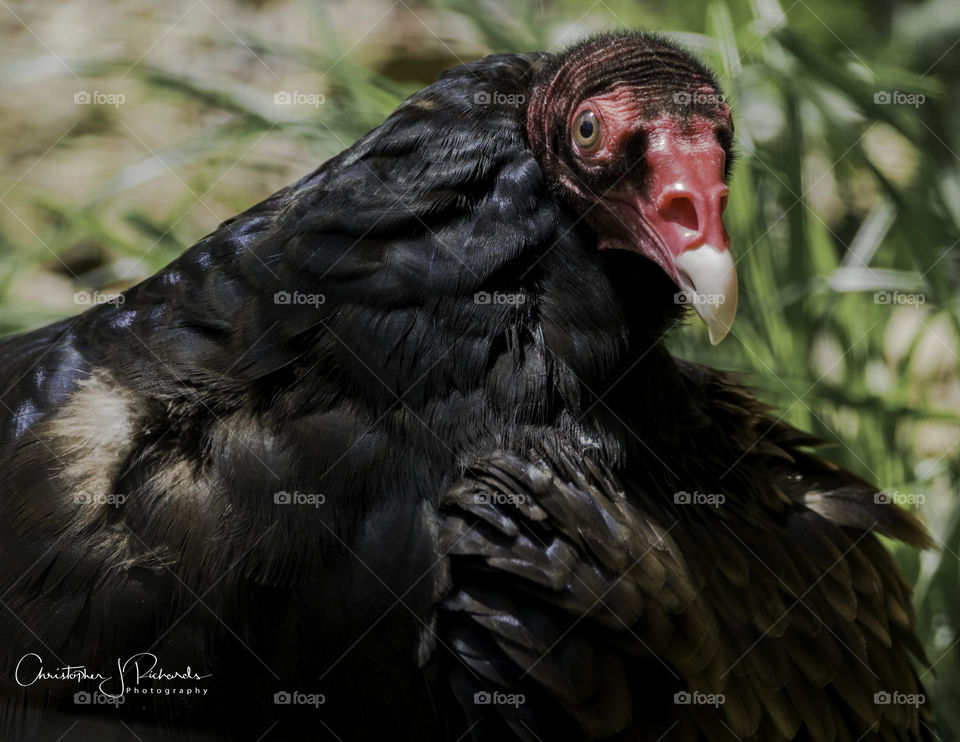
(586, 130)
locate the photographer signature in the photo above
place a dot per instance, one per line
(133, 670)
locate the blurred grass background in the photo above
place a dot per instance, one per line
(844, 211)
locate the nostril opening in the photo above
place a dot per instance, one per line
(680, 210)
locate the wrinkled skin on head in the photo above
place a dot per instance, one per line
(637, 137)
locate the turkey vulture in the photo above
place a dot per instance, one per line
(398, 453)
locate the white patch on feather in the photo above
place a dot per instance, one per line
(93, 434)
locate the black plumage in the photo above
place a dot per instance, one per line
(423, 347)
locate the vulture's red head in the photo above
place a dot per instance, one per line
(637, 136)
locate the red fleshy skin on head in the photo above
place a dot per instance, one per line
(681, 203)
(686, 194)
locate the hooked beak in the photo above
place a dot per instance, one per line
(681, 224)
(708, 277)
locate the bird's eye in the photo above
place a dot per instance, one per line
(586, 130)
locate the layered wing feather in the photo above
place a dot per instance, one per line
(618, 611)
